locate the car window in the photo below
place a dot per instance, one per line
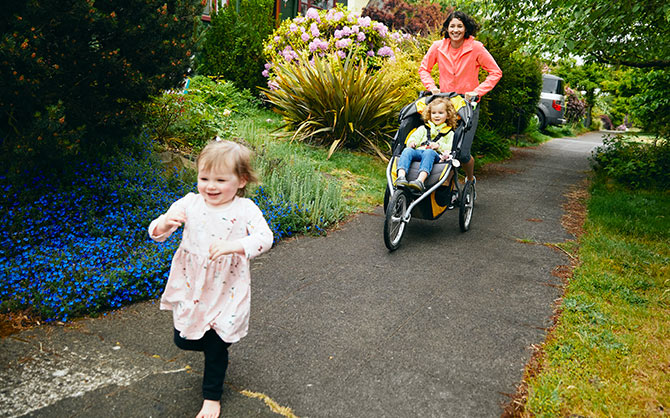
(552, 85)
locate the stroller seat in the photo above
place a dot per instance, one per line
(435, 174)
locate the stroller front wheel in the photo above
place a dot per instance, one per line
(467, 206)
(394, 224)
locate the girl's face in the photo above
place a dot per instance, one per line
(456, 30)
(438, 113)
(218, 186)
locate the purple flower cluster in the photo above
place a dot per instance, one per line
(335, 31)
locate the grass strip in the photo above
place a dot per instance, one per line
(609, 353)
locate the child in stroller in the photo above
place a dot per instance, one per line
(442, 188)
(429, 143)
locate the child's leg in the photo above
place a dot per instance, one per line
(408, 155)
(184, 344)
(216, 364)
(428, 158)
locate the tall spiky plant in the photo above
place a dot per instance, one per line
(335, 102)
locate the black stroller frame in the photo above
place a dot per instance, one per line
(400, 204)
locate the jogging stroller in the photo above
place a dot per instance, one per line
(400, 204)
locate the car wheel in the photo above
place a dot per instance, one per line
(541, 120)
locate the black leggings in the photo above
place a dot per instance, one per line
(216, 361)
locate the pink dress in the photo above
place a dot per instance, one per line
(204, 294)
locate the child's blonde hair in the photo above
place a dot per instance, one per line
(452, 116)
(228, 155)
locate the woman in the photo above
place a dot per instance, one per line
(459, 57)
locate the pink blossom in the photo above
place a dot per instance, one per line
(334, 15)
(355, 28)
(268, 65)
(343, 43)
(364, 22)
(385, 51)
(273, 85)
(312, 13)
(304, 37)
(338, 34)
(293, 27)
(277, 39)
(346, 31)
(370, 53)
(381, 28)
(396, 36)
(318, 44)
(341, 54)
(314, 29)
(266, 73)
(299, 20)
(360, 36)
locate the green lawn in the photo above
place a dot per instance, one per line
(609, 354)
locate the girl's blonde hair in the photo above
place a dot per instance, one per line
(228, 156)
(452, 116)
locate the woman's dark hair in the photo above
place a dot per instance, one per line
(471, 27)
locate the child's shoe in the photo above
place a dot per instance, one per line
(401, 181)
(417, 185)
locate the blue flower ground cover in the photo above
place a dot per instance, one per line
(80, 247)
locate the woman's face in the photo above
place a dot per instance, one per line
(456, 30)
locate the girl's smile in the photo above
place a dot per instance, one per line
(218, 186)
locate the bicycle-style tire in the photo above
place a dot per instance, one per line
(467, 206)
(394, 226)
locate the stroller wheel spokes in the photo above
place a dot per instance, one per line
(467, 205)
(394, 225)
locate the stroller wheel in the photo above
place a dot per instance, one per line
(394, 225)
(467, 206)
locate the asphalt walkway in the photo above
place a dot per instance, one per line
(340, 327)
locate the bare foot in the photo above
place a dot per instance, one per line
(210, 409)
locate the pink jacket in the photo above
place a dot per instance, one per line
(462, 73)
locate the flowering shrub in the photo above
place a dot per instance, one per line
(334, 31)
(76, 243)
(575, 107)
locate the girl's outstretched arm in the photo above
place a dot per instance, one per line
(163, 226)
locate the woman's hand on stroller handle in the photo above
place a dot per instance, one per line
(471, 96)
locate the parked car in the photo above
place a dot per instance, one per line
(551, 108)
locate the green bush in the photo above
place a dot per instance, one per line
(70, 71)
(509, 107)
(233, 45)
(643, 165)
(334, 102)
(490, 144)
(188, 121)
(651, 105)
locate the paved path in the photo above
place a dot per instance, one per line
(340, 327)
